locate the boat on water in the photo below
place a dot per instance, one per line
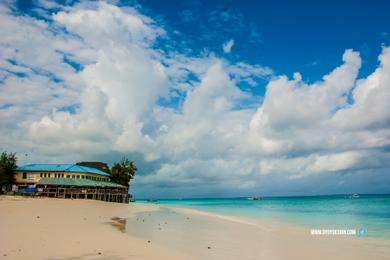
(254, 198)
(355, 196)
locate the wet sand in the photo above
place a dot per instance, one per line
(211, 236)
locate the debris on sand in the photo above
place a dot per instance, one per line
(119, 223)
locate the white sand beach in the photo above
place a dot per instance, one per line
(43, 228)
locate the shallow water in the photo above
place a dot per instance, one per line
(370, 212)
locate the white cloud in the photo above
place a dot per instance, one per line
(371, 107)
(227, 46)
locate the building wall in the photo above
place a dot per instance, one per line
(33, 177)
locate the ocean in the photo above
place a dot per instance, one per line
(370, 213)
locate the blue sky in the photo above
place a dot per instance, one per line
(210, 98)
(286, 35)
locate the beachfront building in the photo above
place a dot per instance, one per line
(69, 181)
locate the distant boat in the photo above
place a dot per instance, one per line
(254, 198)
(151, 200)
(355, 196)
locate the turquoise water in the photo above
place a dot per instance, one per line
(370, 212)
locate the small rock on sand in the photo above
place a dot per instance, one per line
(148, 241)
(209, 247)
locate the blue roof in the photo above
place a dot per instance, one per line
(60, 168)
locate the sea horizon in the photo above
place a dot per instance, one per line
(264, 197)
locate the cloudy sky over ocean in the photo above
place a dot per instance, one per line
(209, 98)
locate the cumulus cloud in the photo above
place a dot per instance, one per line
(185, 119)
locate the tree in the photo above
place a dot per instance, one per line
(7, 168)
(123, 172)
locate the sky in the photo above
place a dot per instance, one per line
(209, 98)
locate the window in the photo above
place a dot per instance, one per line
(49, 175)
(44, 175)
(62, 175)
(67, 176)
(55, 175)
(40, 175)
(73, 176)
(24, 175)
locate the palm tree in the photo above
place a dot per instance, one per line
(123, 172)
(7, 169)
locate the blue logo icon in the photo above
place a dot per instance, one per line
(361, 232)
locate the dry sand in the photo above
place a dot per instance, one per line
(42, 228)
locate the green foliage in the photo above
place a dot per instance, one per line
(7, 168)
(123, 172)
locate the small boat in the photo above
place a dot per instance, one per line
(254, 198)
(355, 196)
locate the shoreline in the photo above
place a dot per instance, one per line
(44, 228)
(304, 223)
(261, 223)
(269, 239)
